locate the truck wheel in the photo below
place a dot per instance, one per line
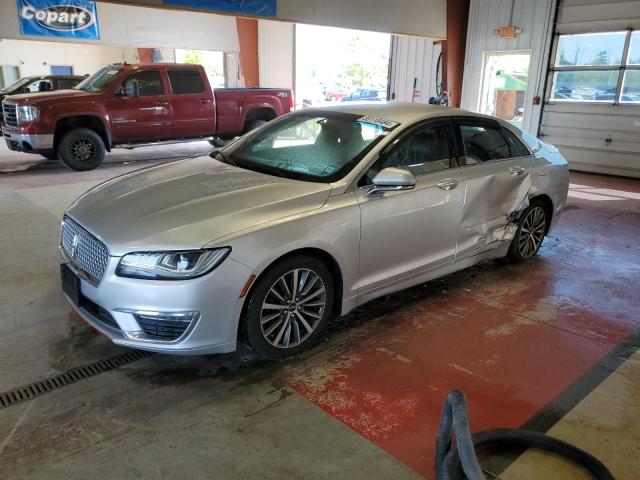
(81, 149)
(253, 124)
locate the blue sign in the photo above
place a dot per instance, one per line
(59, 18)
(262, 8)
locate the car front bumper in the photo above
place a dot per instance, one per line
(28, 142)
(112, 307)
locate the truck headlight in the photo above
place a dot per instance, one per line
(27, 114)
(171, 265)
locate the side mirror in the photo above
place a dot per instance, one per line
(131, 89)
(392, 180)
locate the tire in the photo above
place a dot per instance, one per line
(333, 98)
(532, 228)
(81, 149)
(253, 124)
(50, 156)
(281, 332)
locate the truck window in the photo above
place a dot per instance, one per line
(149, 82)
(185, 82)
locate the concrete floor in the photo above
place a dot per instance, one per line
(550, 345)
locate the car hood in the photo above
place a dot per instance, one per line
(186, 204)
(53, 95)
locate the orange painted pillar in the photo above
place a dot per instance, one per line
(454, 49)
(248, 37)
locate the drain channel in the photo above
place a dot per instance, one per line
(74, 375)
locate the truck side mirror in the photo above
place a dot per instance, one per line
(131, 88)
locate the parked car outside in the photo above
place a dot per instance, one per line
(307, 217)
(365, 94)
(39, 83)
(129, 106)
(335, 94)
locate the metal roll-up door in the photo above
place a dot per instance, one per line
(592, 100)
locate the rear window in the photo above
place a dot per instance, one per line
(185, 82)
(483, 143)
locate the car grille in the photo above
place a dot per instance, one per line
(85, 251)
(10, 114)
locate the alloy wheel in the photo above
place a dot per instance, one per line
(532, 232)
(293, 308)
(82, 150)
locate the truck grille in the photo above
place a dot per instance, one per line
(10, 114)
(85, 251)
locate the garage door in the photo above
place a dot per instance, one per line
(592, 108)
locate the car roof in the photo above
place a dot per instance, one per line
(400, 112)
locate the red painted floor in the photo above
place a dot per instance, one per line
(512, 337)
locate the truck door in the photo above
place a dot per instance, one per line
(192, 103)
(145, 118)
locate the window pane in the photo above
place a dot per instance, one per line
(631, 87)
(422, 152)
(482, 144)
(585, 86)
(590, 49)
(634, 49)
(185, 81)
(149, 82)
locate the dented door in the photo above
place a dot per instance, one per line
(497, 187)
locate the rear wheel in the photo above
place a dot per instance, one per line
(531, 231)
(289, 308)
(81, 149)
(253, 124)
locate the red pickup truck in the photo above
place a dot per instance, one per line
(128, 106)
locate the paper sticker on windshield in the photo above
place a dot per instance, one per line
(381, 122)
(113, 72)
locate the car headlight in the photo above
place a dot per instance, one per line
(171, 265)
(27, 114)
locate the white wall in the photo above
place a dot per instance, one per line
(424, 18)
(36, 58)
(276, 42)
(535, 19)
(146, 27)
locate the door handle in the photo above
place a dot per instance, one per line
(205, 100)
(161, 104)
(516, 171)
(447, 184)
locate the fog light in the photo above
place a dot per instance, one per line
(161, 326)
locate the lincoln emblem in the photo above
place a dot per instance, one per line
(74, 245)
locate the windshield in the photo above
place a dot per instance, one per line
(310, 146)
(100, 80)
(19, 84)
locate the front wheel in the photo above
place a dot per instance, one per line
(289, 308)
(81, 149)
(531, 231)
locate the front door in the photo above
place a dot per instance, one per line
(145, 118)
(406, 233)
(496, 168)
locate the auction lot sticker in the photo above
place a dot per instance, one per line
(59, 18)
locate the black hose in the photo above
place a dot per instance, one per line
(450, 458)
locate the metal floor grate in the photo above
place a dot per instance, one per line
(42, 387)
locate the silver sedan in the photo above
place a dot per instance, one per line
(307, 217)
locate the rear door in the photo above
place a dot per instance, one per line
(405, 233)
(192, 103)
(496, 167)
(145, 118)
